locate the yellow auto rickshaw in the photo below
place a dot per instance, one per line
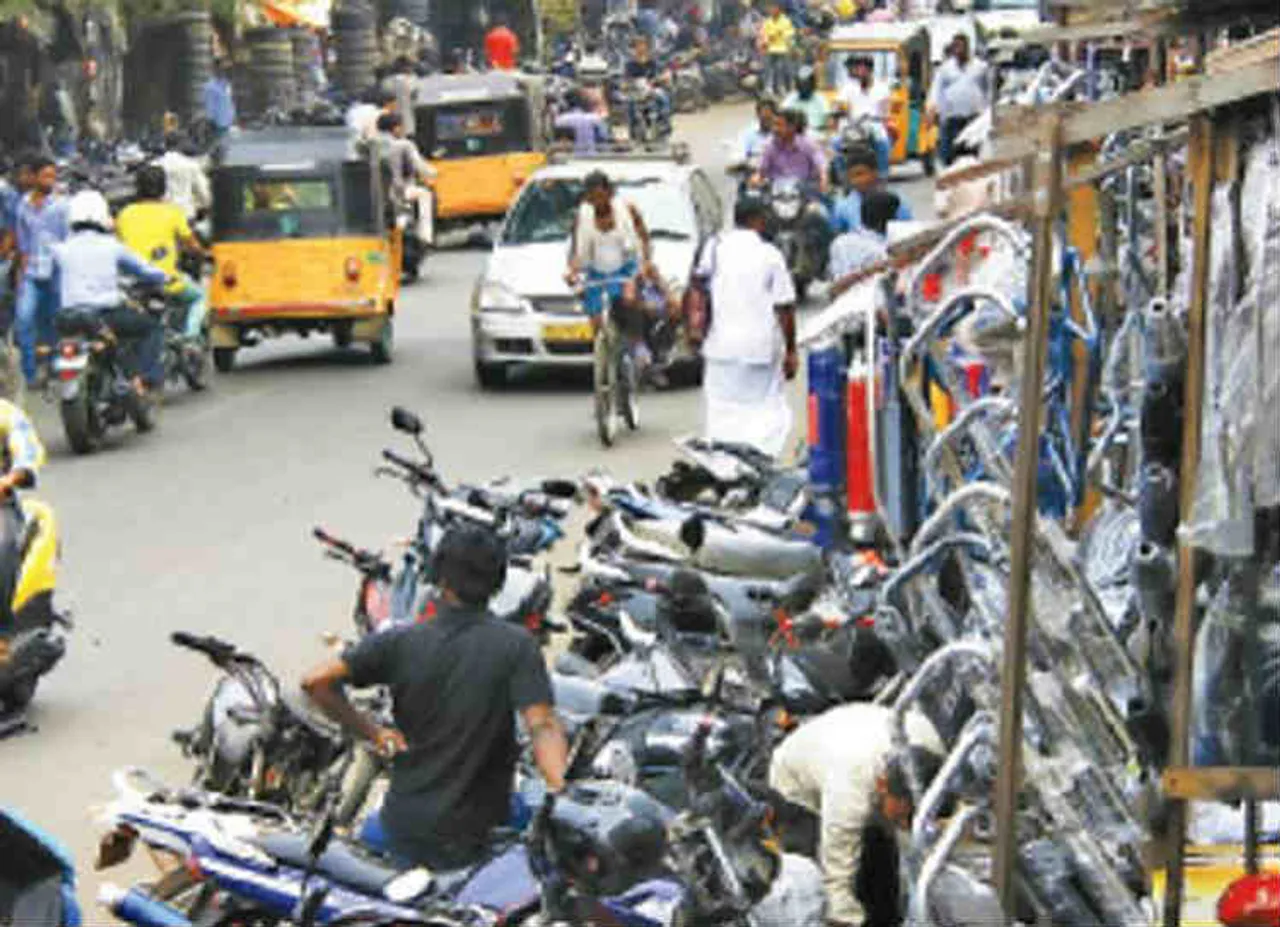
(900, 54)
(483, 134)
(302, 242)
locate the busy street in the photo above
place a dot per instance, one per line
(569, 463)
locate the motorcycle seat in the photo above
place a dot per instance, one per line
(78, 320)
(342, 862)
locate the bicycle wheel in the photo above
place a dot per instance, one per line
(627, 388)
(606, 421)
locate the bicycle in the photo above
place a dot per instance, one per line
(615, 380)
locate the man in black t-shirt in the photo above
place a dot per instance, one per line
(457, 682)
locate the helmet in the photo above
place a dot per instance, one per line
(806, 81)
(89, 207)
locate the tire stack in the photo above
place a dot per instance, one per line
(306, 51)
(417, 12)
(272, 79)
(356, 40)
(195, 64)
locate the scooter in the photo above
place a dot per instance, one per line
(40, 638)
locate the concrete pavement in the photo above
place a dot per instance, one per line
(204, 525)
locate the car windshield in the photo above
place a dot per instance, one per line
(545, 210)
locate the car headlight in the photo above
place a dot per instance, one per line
(494, 297)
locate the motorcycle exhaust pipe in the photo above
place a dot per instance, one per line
(136, 907)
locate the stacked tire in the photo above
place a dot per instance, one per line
(356, 45)
(195, 64)
(272, 80)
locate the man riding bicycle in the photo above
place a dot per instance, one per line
(609, 248)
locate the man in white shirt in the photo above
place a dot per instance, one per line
(750, 349)
(959, 94)
(866, 98)
(186, 184)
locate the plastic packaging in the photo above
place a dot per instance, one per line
(1218, 685)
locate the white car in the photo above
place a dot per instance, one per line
(523, 312)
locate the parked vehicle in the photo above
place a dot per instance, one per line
(38, 878)
(302, 243)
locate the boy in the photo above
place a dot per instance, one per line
(868, 242)
(863, 167)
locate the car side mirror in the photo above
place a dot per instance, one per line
(404, 420)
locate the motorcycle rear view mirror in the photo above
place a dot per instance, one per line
(404, 420)
(560, 489)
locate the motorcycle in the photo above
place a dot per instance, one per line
(93, 391)
(787, 199)
(39, 641)
(688, 88)
(648, 122)
(594, 855)
(187, 359)
(255, 738)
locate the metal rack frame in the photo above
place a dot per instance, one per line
(1044, 136)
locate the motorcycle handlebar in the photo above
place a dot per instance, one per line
(415, 470)
(218, 651)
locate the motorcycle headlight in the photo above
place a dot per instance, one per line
(786, 209)
(615, 762)
(494, 297)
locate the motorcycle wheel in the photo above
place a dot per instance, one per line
(224, 359)
(80, 422)
(198, 364)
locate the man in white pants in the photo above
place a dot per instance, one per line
(750, 348)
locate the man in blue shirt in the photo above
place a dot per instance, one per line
(88, 266)
(219, 104)
(864, 177)
(41, 224)
(868, 243)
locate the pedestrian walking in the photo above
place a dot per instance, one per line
(958, 95)
(777, 41)
(219, 101)
(42, 224)
(750, 347)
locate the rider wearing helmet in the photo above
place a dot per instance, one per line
(87, 268)
(156, 231)
(457, 681)
(807, 99)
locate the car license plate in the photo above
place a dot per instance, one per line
(562, 332)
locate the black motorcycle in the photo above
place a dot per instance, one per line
(94, 392)
(793, 232)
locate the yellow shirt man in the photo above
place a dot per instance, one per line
(846, 10)
(778, 34)
(153, 230)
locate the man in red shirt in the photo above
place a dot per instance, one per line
(501, 47)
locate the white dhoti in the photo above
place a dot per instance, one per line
(746, 403)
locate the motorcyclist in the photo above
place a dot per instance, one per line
(157, 231)
(791, 155)
(411, 175)
(867, 100)
(585, 129)
(21, 456)
(87, 268)
(751, 143)
(807, 99)
(643, 67)
(457, 682)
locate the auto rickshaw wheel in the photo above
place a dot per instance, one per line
(224, 359)
(381, 348)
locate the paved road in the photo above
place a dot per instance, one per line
(204, 525)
